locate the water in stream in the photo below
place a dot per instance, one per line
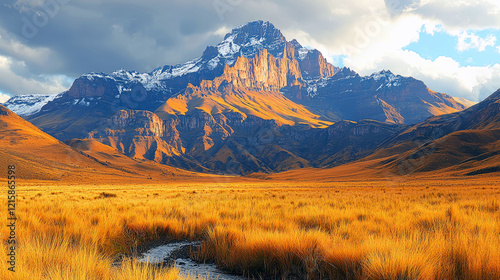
(186, 266)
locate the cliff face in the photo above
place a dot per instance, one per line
(263, 72)
(315, 66)
(145, 123)
(138, 134)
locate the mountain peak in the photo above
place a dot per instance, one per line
(386, 75)
(256, 30)
(247, 39)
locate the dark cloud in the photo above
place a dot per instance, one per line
(141, 35)
(108, 35)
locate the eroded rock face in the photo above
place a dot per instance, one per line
(263, 72)
(83, 88)
(145, 123)
(142, 135)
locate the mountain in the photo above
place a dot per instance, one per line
(95, 96)
(465, 102)
(211, 124)
(253, 103)
(381, 96)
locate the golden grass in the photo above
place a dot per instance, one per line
(364, 230)
(61, 259)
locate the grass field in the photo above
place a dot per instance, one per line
(346, 230)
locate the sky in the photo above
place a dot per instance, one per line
(451, 45)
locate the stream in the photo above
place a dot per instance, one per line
(178, 254)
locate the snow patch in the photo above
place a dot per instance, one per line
(303, 53)
(228, 47)
(213, 63)
(386, 78)
(29, 104)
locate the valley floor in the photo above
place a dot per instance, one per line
(413, 229)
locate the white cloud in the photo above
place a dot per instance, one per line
(12, 81)
(4, 98)
(431, 28)
(469, 41)
(461, 15)
(306, 40)
(222, 31)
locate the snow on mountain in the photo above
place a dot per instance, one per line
(386, 79)
(29, 104)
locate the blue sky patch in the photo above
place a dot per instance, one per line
(443, 44)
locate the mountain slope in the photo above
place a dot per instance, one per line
(484, 115)
(467, 152)
(39, 156)
(465, 140)
(382, 96)
(35, 154)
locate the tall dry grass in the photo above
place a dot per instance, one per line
(418, 230)
(62, 259)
